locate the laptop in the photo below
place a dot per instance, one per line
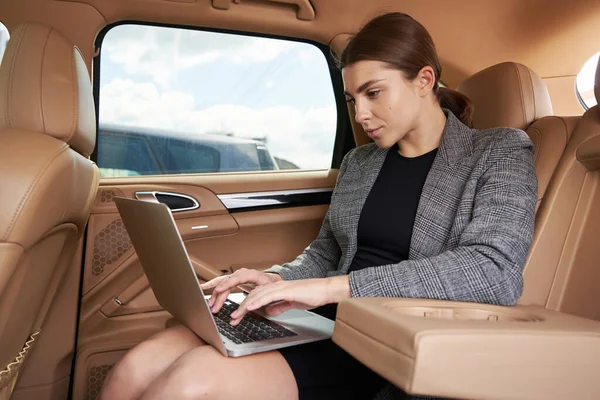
(167, 265)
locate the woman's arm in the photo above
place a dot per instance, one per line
(486, 266)
(321, 255)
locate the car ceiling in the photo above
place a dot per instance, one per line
(554, 38)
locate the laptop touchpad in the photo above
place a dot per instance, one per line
(291, 314)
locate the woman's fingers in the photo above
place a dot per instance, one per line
(304, 294)
(221, 292)
(228, 282)
(212, 283)
(260, 297)
(218, 299)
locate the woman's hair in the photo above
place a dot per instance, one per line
(403, 43)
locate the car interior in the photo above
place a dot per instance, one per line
(73, 295)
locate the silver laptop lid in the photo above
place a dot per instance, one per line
(165, 261)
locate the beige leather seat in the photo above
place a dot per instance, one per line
(562, 271)
(47, 182)
(510, 94)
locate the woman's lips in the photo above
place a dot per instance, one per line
(373, 133)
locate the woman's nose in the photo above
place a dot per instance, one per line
(362, 113)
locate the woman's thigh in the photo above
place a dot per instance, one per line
(203, 373)
(147, 361)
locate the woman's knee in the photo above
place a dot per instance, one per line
(146, 361)
(131, 372)
(187, 378)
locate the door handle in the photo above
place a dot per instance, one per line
(176, 202)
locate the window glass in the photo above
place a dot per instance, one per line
(4, 36)
(125, 154)
(185, 157)
(214, 102)
(585, 82)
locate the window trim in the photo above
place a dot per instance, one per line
(344, 137)
(579, 98)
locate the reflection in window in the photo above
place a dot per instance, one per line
(187, 158)
(125, 155)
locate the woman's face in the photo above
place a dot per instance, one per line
(386, 103)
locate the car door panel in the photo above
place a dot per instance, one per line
(118, 308)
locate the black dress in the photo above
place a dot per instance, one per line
(322, 369)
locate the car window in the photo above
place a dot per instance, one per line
(4, 36)
(585, 82)
(124, 154)
(184, 157)
(214, 102)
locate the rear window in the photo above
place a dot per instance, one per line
(585, 82)
(206, 102)
(4, 36)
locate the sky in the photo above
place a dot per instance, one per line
(199, 82)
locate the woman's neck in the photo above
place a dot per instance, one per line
(427, 134)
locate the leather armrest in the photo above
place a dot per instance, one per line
(473, 351)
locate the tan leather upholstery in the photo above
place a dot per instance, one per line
(512, 95)
(472, 351)
(59, 105)
(562, 270)
(47, 131)
(507, 94)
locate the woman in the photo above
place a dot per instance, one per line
(431, 209)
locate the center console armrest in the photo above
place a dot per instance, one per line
(473, 351)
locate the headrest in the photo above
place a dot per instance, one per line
(45, 87)
(507, 94)
(597, 85)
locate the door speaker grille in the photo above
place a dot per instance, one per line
(109, 245)
(95, 379)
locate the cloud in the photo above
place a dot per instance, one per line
(304, 138)
(161, 52)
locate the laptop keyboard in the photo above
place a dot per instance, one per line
(252, 328)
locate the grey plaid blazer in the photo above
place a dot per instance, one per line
(472, 231)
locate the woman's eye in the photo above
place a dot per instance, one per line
(373, 93)
(349, 100)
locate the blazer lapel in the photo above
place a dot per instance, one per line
(437, 205)
(428, 233)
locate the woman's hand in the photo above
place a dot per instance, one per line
(224, 284)
(301, 294)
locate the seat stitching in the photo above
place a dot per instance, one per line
(8, 114)
(42, 81)
(30, 188)
(522, 94)
(532, 95)
(567, 133)
(75, 87)
(540, 139)
(588, 158)
(581, 159)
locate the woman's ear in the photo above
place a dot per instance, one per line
(425, 80)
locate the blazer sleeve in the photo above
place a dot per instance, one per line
(321, 256)
(486, 266)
